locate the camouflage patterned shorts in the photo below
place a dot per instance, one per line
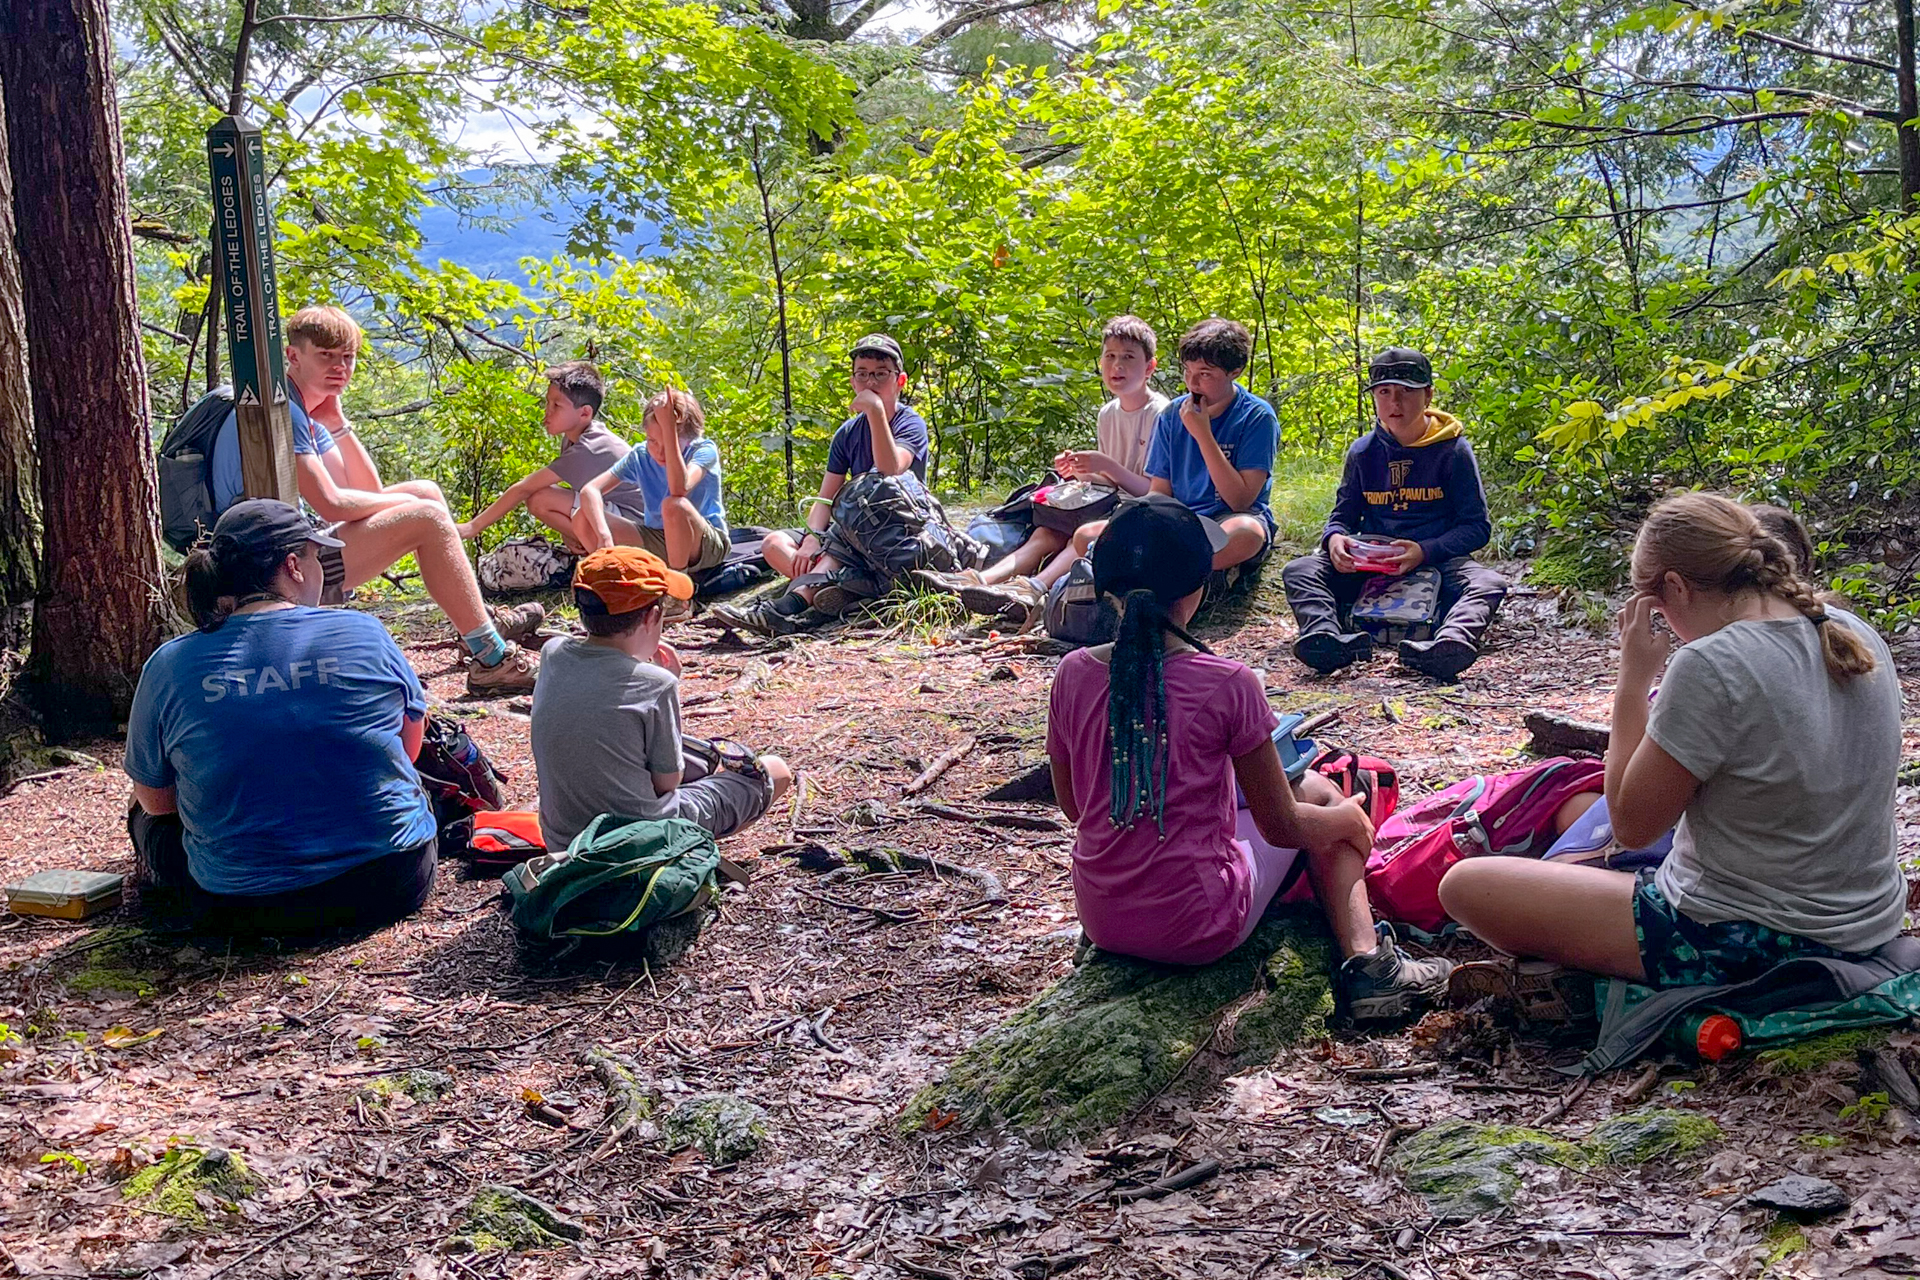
(1679, 951)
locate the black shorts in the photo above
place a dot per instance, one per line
(376, 892)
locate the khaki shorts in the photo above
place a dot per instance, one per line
(714, 544)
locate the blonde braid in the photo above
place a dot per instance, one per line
(1845, 653)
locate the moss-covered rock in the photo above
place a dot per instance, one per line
(723, 1127)
(502, 1218)
(1102, 1041)
(1462, 1169)
(420, 1084)
(188, 1180)
(119, 958)
(1649, 1134)
(1819, 1051)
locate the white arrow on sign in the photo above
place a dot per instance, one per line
(248, 397)
(224, 149)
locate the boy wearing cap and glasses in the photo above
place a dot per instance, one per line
(1412, 481)
(882, 435)
(606, 713)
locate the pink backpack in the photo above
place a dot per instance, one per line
(1504, 813)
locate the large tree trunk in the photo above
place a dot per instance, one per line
(19, 501)
(100, 608)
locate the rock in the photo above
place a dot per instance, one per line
(187, 1180)
(1104, 1040)
(505, 1218)
(1801, 1196)
(1649, 1134)
(421, 1084)
(724, 1128)
(1462, 1169)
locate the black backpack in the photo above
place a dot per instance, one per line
(186, 470)
(891, 525)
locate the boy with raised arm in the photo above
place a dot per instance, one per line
(1412, 480)
(377, 523)
(680, 517)
(1125, 429)
(575, 392)
(882, 435)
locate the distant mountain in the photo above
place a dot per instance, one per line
(526, 232)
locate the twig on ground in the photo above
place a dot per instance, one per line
(1412, 1071)
(1192, 1175)
(1565, 1104)
(266, 1244)
(887, 914)
(941, 763)
(1641, 1087)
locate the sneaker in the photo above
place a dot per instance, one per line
(843, 591)
(1016, 599)
(1536, 990)
(1328, 651)
(1443, 659)
(1385, 985)
(950, 583)
(514, 673)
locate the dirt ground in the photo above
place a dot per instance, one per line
(828, 1007)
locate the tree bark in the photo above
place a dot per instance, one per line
(19, 468)
(1909, 106)
(100, 609)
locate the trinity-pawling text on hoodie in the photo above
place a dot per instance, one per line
(1427, 492)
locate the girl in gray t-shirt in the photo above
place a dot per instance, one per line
(1774, 744)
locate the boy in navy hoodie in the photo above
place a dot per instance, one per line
(1412, 480)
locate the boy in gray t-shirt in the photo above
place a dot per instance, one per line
(587, 450)
(606, 714)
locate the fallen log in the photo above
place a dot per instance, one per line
(1555, 734)
(1096, 1045)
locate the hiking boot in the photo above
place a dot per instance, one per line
(950, 583)
(1328, 651)
(1443, 659)
(1384, 985)
(514, 673)
(1016, 599)
(1536, 990)
(519, 624)
(673, 609)
(844, 590)
(781, 616)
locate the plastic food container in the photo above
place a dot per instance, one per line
(68, 895)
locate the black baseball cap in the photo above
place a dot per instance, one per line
(1400, 367)
(266, 524)
(879, 344)
(1158, 544)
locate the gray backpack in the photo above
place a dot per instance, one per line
(1076, 611)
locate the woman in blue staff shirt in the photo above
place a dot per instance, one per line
(271, 750)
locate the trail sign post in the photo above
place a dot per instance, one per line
(243, 272)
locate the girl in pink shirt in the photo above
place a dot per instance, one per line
(1147, 737)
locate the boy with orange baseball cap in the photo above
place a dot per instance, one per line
(606, 714)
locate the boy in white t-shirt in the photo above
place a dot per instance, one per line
(1127, 347)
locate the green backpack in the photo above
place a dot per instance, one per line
(619, 876)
